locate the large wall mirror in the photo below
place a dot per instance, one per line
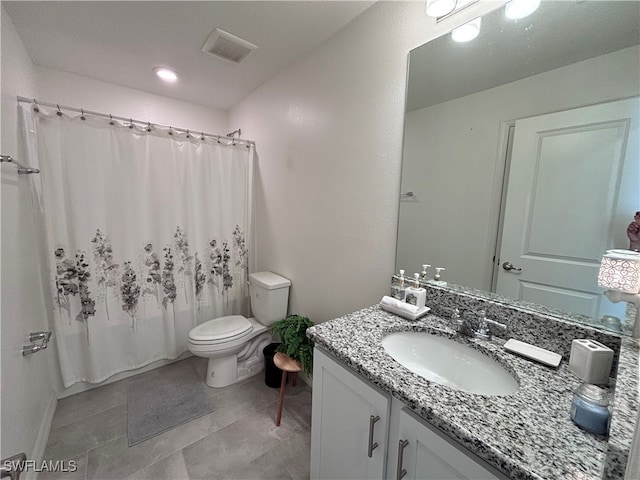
(522, 148)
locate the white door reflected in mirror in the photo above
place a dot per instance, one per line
(583, 160)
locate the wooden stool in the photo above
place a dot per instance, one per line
(287, 365)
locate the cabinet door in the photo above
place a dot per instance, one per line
(341, 422)
(429, 454)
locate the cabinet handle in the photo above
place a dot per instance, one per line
(372, 446)
(401, 472)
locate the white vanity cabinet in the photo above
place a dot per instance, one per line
(350, 424)
(428, 454)
(358, 431)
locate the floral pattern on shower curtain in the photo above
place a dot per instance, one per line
(148, 233)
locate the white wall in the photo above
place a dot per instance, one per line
(78, 91)
(452, 161)
(28, 400)
(329, 140)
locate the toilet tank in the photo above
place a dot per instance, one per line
(269, 296)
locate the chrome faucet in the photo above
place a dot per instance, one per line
(464, 325)
(479, 328)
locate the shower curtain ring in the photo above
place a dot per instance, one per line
(82, 117)
(130, 122)
(202, 136)
(111, 122)
(59, 113)
(35, 106)
(219, 139)
(170, 130)
(188, 136)
(148, 126)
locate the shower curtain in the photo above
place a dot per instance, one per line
(148, 233)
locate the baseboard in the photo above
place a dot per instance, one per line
(43, 436)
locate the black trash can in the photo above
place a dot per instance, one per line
(272, 374)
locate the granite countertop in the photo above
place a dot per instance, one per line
(526, 435)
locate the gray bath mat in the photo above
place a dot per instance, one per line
(155, 405)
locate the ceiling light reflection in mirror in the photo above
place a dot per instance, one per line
(514, 10)
(468, 31)
(517, 9)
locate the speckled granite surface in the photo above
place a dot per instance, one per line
(526, 435)
(471, 295)
(546, 327)
(625, 409)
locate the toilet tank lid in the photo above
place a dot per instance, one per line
(269, 280)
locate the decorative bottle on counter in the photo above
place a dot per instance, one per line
(416, 295)
(398, 288)
(590, 409)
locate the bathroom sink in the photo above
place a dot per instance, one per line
(450, 363)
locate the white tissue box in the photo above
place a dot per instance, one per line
(591, 361)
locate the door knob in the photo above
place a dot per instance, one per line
(508, 266)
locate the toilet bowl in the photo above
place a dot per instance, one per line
(233, 344)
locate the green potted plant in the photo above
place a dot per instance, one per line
(295, 343)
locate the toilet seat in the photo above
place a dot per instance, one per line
(221, 330)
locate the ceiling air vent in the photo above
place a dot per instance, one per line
(224, 45)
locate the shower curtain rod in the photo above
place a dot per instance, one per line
(133, 120)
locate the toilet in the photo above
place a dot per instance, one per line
(233, 344)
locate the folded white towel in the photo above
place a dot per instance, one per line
(400, 305)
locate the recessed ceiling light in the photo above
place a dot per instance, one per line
(166, 74)
(517, 9)
(468, 31)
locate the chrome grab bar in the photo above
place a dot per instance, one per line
(22, 169)
(372, 446)
(34, 347)
(12, 466)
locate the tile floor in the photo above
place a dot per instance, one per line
(238, 440)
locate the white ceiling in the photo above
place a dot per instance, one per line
(120, 42)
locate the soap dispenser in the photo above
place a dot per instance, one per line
(398, 288)
(416, 295)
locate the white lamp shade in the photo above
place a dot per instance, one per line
(439, 8)
(620, 271)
